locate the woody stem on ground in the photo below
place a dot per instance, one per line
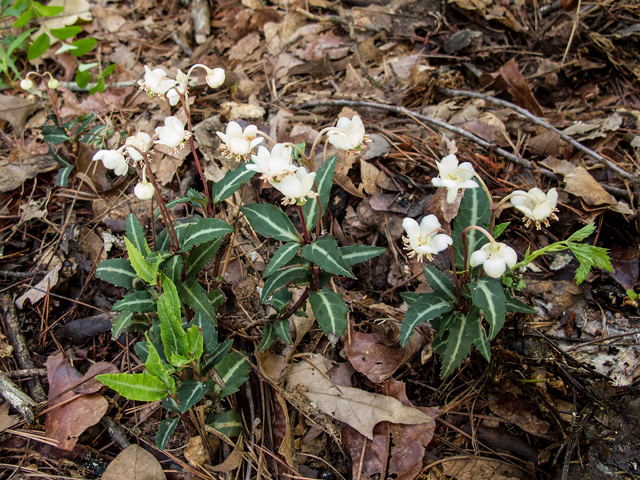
(171, 231)
(196, 158)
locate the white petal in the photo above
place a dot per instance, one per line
(509, 255)
(340, 141)
(527, 212)
(467, 184)
(290, 186)
(255, 141)
(448, 164)
(250, 132)
(494, 266)
(238, 146)
(538, 195)
(542, 211)
(356, 136)
(234, 129)
(99, 155)
(465, 172)
(223, 137)
(440, 242)
(452, 194)
(122, 168)
(519, 198)
(344, 124)
(411, 227)
(552, 197)
(307, 183)
(429, 224)
(477, 258)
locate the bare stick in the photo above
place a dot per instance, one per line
(17, 398)
(28, 372)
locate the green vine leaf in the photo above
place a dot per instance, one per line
(354, 254)
(117, 271)
(440, 282)
(135, 234)
(280, 278)
(457, 346)
(231, 181)
(475, 210)
(206, 230)
(476, 333)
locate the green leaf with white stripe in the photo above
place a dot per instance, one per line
(206, 230)
(171, 331)
(270, 221)
(173, 268)
(216, 298)
(427, 307)
(155, 367)
(231, 181)
(166, 429)
(488, 295)
(209, 334)
(474, 210)
(145, 270)
(326, 254)
(120, 323)
(324, 181)
(410, 297)
(284, 253)
(330, 311)
(180, 226)
(514, 305)
(190, 392)
(440, 282)
(457, 347)
(233, 369)
(117, 271)
(202, 254)
(476, 332)
(280, 278)
(228, 422)
(138, 301)
(195, 342)
(136, 386)
(353, 254)
(269, 336)
(193, 294)
(136, 235)
(282, 327)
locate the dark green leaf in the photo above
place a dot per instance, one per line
(440, 283)
(324, 181)
(202, 254)
(136, 386)
(206, 230)
(326, 254)
(330, 311)
(166, 429)
(117, 271)
(54, 135)
(282, 327)
(155, 367)
(474, 210)
(269, 336)
(62, 177)
(488, 295)
(142, 350)
(233, 369)
(270, 221)
(171, 405)
(38, 47)
(514, 305)
(193, 294)
(280, 278)
(410, 297)
(209, 334)
(135, 234)
(476, 332)
(231, 182)
(284, 253)
(83, 46)
(65, 32)
(138, 301)
(457, 345)
(216, 298)
(228, 422)
(359, 253)
(173, 268)
(218, 354)
(119, 324)
(171, 331)
(190, 393)
(427, 307)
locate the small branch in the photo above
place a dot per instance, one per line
(7, 273)
(17, 398)
(115, 432)
(28, 372)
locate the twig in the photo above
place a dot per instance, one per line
(549, 9)
(187, 51)
(17, 398)
(115, 432)
(539, 121)
(20, 349)
(28, 372)
(440, 124)
(7, 273)
(566, 52)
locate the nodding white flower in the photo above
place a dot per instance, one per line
(297, 188)
(172, 134)
(173, 96)
(453, 177)
(495, 258)
(239, 143)
(112, 160)
(536, 205)
(141, 141)
(144, 190)
(425, 239)
(272, 165)
(348, 134)
(156, 82)
(53, 83)
(26, 84)
(215, 77)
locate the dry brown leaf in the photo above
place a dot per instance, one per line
(68, 422)
(582, 184)
(477, 468)
(362, 410)
(369, 174)
(195, 453)
(375, 458)
(6, 420)
(373, 355)
(16, 110)
(134, 463)
(38, 292)
(282, 428)
(232, 462)
(546, 144)
(509, 78)
(521, 412)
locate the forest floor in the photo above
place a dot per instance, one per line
(559, 398)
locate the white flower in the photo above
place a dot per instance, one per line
(26, 84)
(215, 77)
(348, 135)
(144, 190)
(173, 96)
(239, 143)
(53, 83)
(424, 239)
(112, 160)
(495, 258)
(453, 177)
(536, 205)
(272, 165)
(141, 141)
(172, 134)
(297, 188)
(156, 82)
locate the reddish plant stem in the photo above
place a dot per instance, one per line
(196, 158)
(304, 225)
(173, 237)
(311, 288)
(319, 213)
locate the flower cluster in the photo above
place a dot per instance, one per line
(348, 134)
(425, 239)
(237, 142)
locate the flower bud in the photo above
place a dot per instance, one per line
(144, 190)
(26, 84)
(215, 77)
(53, 83)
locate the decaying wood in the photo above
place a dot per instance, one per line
(17, 398)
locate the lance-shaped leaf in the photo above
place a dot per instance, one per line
(440, 282)
(488, 295)
(145, 270)
(209, 334)
(474, 210)
(216, 298)
(330, 311)
(476, 333)
(163, 243)
(136, 386)
(326, 254)
(410, 297)
(200, 255)
(442, 323)
(135, 234)
(171, 405)
(190, 393)
(269, 336)
(353, 254)
(270, 221)
(206, 230)
(217, 355)
(284, 253)
(228, 422)
(171, 331)
(195, 342)
(193, 294)
(427, 307)
(282, 327)
(166, 429)
(280, 299)
(120, 323)
(231, 182)
(515, 305)
(156, 368)
(457, 346)
(173, 268)
(233, 369)
(138, 301)
(324, 181)
(280, 278)
(117, 271)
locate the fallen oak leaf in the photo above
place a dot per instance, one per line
(135, 463)
(362, 410)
